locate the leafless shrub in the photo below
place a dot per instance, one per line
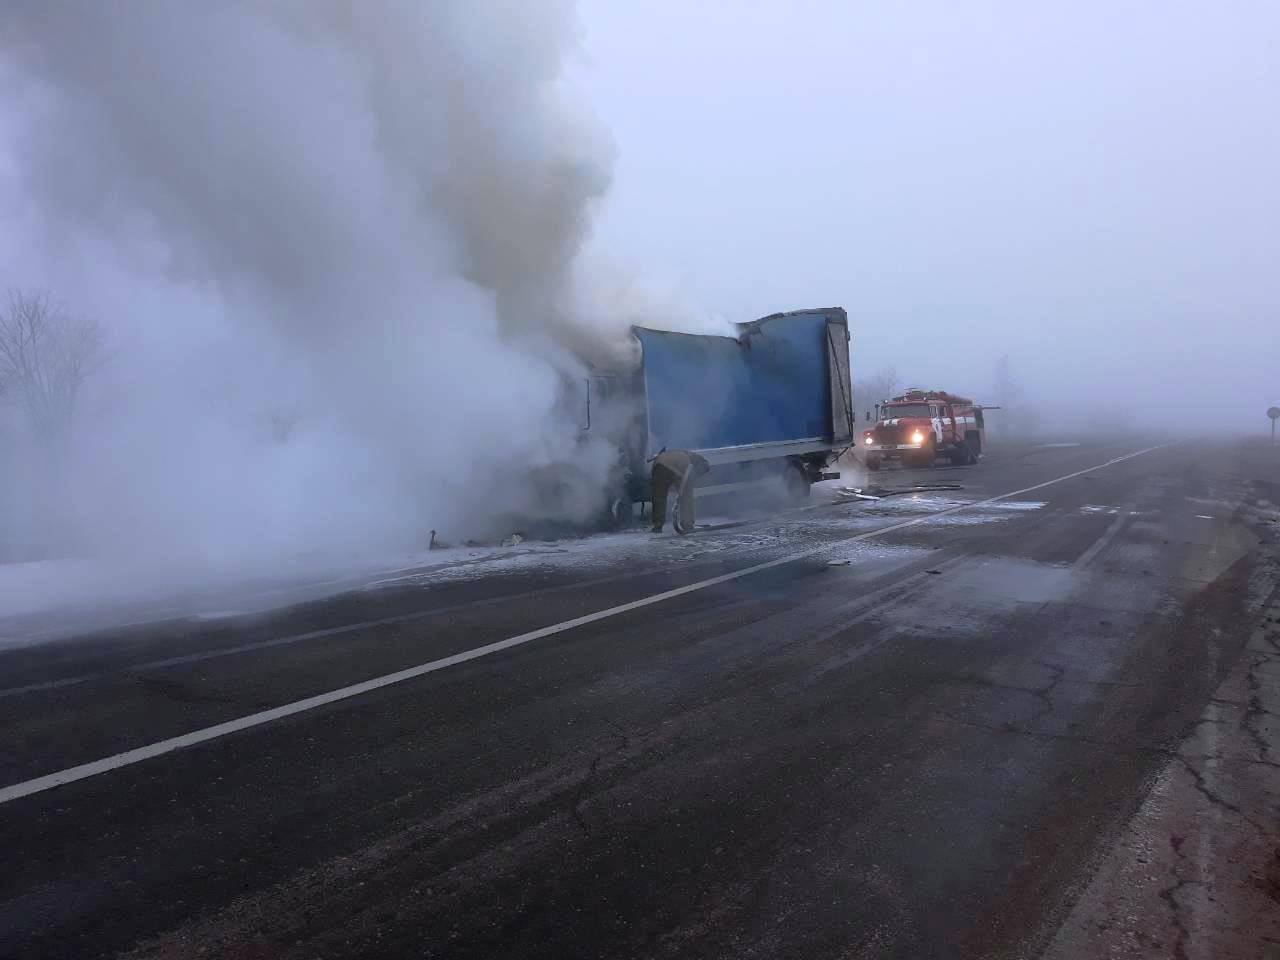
(46, 355)
(1018, 416)
(868, 391)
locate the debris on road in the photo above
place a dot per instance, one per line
(514, 540)
(725, 525)
(847, 494)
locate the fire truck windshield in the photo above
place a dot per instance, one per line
(890, 411)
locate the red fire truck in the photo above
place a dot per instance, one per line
(921, 425)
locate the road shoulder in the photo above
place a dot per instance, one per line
(1196, 873)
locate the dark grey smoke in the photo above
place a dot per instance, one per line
(334, 246)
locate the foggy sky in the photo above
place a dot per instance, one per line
(1089, 187)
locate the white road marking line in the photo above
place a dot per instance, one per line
(1102, 542)
(212, 654)
(1201, 516)
(124, 672)
(161, 747)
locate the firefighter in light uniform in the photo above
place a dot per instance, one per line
(678, 468)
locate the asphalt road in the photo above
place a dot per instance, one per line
(908, 728)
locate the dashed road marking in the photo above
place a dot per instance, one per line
(1104, 541)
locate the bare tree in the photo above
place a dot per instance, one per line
(884, 384)
(1004, 383)
(46, 354)
(1018, 416)
(879, 386)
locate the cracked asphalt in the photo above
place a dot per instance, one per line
(1040, 726)
(1196, 873)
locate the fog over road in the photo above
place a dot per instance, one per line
(731, 744)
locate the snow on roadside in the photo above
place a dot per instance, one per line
(54, 597)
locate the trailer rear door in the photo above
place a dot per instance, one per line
(843, 417)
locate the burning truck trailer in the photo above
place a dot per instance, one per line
(921, 425)
(767, 408)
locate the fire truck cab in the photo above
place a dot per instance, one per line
(922, 425)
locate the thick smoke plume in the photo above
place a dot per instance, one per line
(334, 246)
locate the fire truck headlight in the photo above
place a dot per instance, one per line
(917, 437)
(867, 441)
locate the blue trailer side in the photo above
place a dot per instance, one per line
(774, 397)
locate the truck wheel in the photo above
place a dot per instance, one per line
(621, 512)
(873, 462)
(796, 483)
(973, 440)
(962, 456)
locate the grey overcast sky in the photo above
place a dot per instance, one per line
(1090, 187)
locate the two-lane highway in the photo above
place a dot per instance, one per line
(900, 728)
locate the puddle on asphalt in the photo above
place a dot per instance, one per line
(913, 503)
(1024, 581)
(987, 513)
(968, 519)
(870, 515)
(863, 521)
(1215, 503)
(918, 503)
(870, 551)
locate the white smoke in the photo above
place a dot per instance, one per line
(334, 246)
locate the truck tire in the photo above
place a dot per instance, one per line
(796, 483)
(621, 512)
(873, 461)
(962, 456)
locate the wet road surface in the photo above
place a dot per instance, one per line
(906, 728)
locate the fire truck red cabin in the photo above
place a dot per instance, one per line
(922, 425)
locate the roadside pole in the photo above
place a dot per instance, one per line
(1274, 414)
